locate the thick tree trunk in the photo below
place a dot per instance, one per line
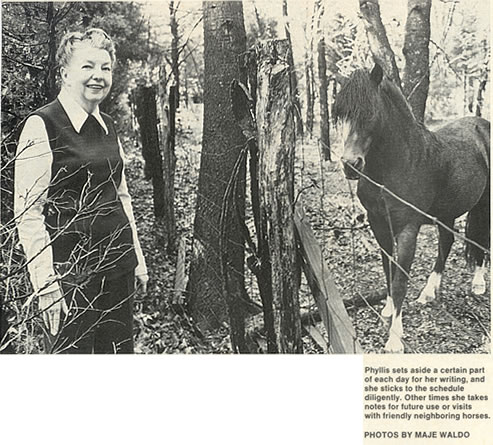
(276, 143)
(323, 99)
(416, 79)
(217, 268)
(146, 114)
(377, 38)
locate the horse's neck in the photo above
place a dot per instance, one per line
(398, 151)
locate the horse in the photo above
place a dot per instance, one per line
(409, 176)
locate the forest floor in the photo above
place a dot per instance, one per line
(457, 322)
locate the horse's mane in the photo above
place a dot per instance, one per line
(358, 101)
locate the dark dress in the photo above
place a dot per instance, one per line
(93, 248)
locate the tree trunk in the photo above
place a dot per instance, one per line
(138, 100)
(292, 70)
(146, 114)
(169, 165)
(377, 38)
(166, 117)
(175, 39)
(309, 92)
(185, 85)
(464, 91)
(217, 268)
(323, 82)
(4, 339)
(276, 143)
(323, 99)
(50, 77)
(481, 90)
(416, 79)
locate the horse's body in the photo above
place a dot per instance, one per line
(444, 174)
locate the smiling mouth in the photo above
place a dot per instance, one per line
(95, 87)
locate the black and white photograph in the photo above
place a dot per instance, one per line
(276, 213)
(245, 177)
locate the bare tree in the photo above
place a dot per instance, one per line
(378, 40)
(416, 77)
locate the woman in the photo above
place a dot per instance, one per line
(74, 213)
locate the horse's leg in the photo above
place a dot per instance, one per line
(383, 236)
(406, 247)
(388, 309)
(478, 230)
(445, 240)
(478, 284)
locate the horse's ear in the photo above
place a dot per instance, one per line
(376, 74)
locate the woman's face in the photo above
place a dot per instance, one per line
(88, 76)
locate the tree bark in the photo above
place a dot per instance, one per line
(377, 38)
(276, 143)
(416, 78)
(146, 115)
(216, 283)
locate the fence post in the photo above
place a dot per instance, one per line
(275, 112)
(146, 114)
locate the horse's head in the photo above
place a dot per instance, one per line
(357, 108)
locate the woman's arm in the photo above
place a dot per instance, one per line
(32, 179)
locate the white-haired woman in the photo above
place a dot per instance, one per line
(74, 213)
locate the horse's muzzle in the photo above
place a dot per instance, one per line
(353, 168)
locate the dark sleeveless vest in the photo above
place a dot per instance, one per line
(84, 216)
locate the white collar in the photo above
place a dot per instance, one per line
(76, 114)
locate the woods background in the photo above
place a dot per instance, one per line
(194, 192)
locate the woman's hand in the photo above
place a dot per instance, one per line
(52, 305)
(141, 282)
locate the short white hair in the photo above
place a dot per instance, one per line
(96, 37)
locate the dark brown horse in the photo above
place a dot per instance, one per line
(442, 174)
